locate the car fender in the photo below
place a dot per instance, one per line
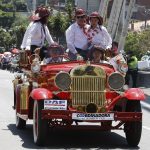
(41, 93)
(134, 94)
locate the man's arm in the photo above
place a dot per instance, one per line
(70, 38)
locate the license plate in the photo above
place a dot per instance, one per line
(96, 116)
(55, 104)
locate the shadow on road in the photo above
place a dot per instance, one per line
(64, 139)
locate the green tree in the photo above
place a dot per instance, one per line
(6, 40)
(138, 42)
(58, 25)
(18, 34)
(70, 9)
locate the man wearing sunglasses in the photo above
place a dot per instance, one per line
(76, 36)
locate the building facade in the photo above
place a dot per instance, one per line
(88, 5)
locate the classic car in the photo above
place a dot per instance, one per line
(68, 93)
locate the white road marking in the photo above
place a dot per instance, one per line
(145, 104)
(147, 128)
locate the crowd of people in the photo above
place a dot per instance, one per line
(9, 61)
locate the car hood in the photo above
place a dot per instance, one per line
(68, 66)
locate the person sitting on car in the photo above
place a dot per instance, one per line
(55, 54)
(98, 55)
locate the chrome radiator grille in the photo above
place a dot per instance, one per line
(88, 89)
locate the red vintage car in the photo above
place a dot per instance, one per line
(70, 92)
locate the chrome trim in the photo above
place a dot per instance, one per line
(88, 89)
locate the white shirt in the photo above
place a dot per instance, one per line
(35, 35)
(76, 38)
(100, 37)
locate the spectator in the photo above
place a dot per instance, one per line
(132, 69)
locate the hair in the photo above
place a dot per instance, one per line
(96, 49)
(100, 21)
(115, 43)
(43, 20)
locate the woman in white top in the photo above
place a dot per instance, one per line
(97, 33)
(37, 31)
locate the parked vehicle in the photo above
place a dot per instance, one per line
(5, 65)
(6, 59)
(14, 65)
(60, 94)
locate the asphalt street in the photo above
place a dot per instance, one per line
(13, 139)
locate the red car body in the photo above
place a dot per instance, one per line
(32, 91)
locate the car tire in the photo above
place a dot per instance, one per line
(133, 129)
(40, 126)
(20, 123)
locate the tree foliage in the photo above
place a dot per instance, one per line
(70, 9)
(138, 42)
(15, 27)
(6, 40)
(58, 24)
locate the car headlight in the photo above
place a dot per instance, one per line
(116, 81)
(63, 80)
(123, 68)
(35, 67)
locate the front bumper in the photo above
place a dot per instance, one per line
(68, 115)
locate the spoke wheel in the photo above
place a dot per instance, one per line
(40, 127)
(20, 123)
(133, 129)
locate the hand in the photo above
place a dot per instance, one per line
(79, 57)
(66, 54)
(27, 51)
(37, 51)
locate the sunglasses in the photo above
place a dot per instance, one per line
(80, 17)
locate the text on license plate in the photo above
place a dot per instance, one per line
(96, 116)
(55, 104)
